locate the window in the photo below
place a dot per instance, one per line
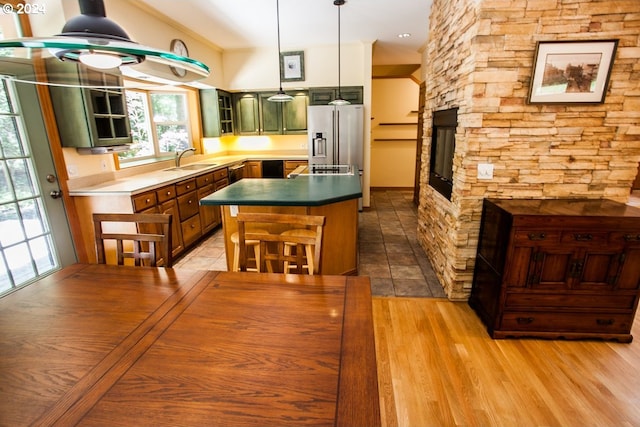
(159, 124)
(443, 144)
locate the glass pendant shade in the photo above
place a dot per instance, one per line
(339, 100)
(280, 96)
(94, 40)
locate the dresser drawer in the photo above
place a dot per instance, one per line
(540, 301)
(542, 236)
(221, 183)
(191, 229)
(577, 237)
(185, 186)
(144, 201)
(604, 323)
(188, 205)
(166, 193)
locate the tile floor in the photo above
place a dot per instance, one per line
(389, 252)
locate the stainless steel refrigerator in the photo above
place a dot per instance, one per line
(335, 135)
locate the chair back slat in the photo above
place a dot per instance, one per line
(249, 220)
(147, 249)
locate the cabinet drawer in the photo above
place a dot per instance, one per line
(531, 236)
(188, 205)
(584, 237)
(538, 301)
(191, 230)
(204, 180)
(567, 322)
(166, 193)
(625, 237)
(144, 201)
(220, 173)
(221, 183)
(185, 186)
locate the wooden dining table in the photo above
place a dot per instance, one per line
(136, 346)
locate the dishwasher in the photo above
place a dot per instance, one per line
(272, 169)
(236, 172)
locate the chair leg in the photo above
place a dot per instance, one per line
(236, 257)
(256, 254)
(309, 251)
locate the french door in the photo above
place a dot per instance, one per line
(35, 238)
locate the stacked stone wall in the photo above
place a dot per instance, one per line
(479, 59)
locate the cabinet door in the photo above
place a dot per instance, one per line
(253, 169)
(209, 215)
(270, 115)
(209, 111)
(247, 117)
(225, 109)
(171, 207)
(294, 114)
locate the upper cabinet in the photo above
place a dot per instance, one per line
(217, 112)
(94, 115)
(256, 115)
(324, 95)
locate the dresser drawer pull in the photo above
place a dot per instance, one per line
(604, 322)
(147, 200)
(524, 320)
(582, 237)
(631, 237)
(536, 236)
(168, 193)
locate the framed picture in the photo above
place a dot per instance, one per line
(571, 72)
(291, 66)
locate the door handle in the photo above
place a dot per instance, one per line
(56, 194)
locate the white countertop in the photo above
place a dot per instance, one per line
(139, 183)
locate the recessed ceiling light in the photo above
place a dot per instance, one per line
(404, 35)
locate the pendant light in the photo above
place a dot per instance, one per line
(339, 100)
(96, 41)
(280, 96)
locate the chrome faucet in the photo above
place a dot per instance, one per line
(179, 155)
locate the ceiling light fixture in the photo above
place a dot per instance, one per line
(280, 96)
(92, 39)
(404, 35)
(339, 100)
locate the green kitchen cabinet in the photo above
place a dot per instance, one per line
(90, 106)
(256, 115)
(324, 95)
(217, 113)
(247, 107)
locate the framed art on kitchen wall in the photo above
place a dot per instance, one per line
(292, 66)
(571, 72)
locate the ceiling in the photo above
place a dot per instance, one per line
(242, 24)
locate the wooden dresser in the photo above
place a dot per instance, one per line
(557, 269)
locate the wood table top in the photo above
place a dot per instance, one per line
(107, 345)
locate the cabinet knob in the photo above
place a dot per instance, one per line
(189, 201)
(147, 201)
(168, 193)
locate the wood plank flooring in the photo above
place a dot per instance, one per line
(437, 366)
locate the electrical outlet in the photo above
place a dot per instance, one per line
(233, 210)
(103, 164)
(485, 171)
(72, 170)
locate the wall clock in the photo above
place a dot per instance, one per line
(179, 48)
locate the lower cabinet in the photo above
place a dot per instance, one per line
(558, 269)
(182, 200)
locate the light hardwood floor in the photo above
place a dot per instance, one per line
(437, 366)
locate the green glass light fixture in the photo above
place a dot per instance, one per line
(95, 41)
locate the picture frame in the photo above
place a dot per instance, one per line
(571, 72)
(292, 66)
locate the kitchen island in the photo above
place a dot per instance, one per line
(333, 196)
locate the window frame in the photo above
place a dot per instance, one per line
(194, 134)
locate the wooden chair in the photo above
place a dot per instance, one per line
(273, 221)
(152, 240)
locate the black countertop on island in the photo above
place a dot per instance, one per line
(310, 190)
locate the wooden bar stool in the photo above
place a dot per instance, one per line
(308, 249)
(235, 239)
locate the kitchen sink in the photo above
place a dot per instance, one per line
(191, 167)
